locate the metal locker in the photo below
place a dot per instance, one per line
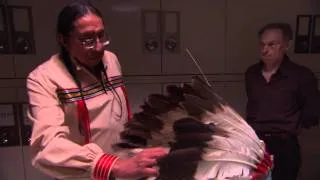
(11, 164)
(31, 173)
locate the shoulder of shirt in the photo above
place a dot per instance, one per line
(54, 67)
(48, 68)
(111, 60)
(301, 70)
(111, 55)
(253, 68)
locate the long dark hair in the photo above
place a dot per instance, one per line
(65, 25)
(68, 15)
(66, 18)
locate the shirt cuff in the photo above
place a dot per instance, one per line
(102, 169)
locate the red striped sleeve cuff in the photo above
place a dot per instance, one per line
(103, 167)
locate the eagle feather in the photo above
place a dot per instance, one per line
(207, 138)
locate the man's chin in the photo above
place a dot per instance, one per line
(94, 62)
(267, 60)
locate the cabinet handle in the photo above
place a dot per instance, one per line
(4, 138)
(22, 45)
(151, 45)
(171, 44)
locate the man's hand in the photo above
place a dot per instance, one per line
(142, 164)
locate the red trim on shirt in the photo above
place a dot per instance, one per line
(83, 116)
(103, 167)
(127, 102)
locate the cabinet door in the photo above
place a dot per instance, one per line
(201, 28)
(6, 59)
(26, 129)
(138, 92)
(124, 23)
(42, 28)
(38, 27)
(11, 164)
(310, 152)
(245, 18)
(234, 93)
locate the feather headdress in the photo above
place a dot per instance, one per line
(206, 137)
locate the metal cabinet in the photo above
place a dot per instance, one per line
(11, 153)
(150, 37)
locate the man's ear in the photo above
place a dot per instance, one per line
(289, 45)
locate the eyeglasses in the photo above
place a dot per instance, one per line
(271, 45)
(90, 41)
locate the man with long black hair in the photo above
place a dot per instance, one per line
(79, 107)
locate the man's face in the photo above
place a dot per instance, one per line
(88, 29)
(273, 46)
